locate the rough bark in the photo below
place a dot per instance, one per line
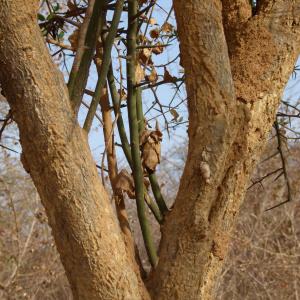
(234, 85)
(57, 156)
(229, 124)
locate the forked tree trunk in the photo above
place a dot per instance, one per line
(233, 88)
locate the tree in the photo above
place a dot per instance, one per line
(236, 63)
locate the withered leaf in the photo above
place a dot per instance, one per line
(71, 5)
(145, 57)
(122, 94)
(152, 77)
(158, 49)
(167, 27)
(73, 38)
(175, 114)
(168, 77)
(141, 2)
(142, 39)
(150, 147)
(124, 184)
(152, 21)
(139, 73)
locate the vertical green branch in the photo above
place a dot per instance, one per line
(134, 131)
(105, 64)
(157, 194)
(117, 110)
(152, 177)
(139, 108)
(124, 141)
(89, 33)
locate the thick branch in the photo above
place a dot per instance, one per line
(227, 132)
(56, 153)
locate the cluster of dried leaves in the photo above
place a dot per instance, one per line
(151, 155)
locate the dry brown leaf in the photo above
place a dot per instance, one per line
(158, 49)
(145, 57)
(175, 114)
(152, 77)
(122, 94)
(71, 5)
(142, 39)
(124, 184)
(73, 38)
(168, 77)
(152, 21)
(167, 27)
(139, 73)
(150, 147)
(154, 33)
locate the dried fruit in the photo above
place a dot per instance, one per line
(154, 33)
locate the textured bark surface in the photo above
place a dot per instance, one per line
(229, 123)
(57, 156)
(234, 83)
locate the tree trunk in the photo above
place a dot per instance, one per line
(57, 156)
(229, 124)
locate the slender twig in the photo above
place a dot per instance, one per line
(134, 132)
(147, 85)
(161, 110)
(5, 123)
(152, 46)
(97, 116)
(108, 43)
(260, 180)
(59, 44)
(269, 157)
(284, 168)
(7, 148)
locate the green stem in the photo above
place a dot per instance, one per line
(139, 108)
(120, 124)
(134, 132)
(80, 70)
(157, 194)
(154, 208)
(152, 177)
(124, 141)
(104, 65)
